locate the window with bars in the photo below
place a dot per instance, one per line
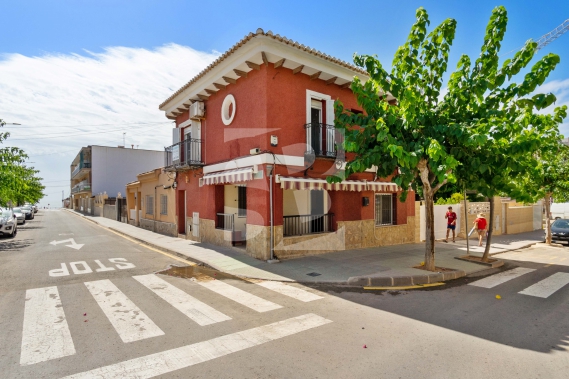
(163, 204)
(242, 201)
(149, 205)
(383, 209)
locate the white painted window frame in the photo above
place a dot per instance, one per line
(330, 136)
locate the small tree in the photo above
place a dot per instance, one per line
(425, 136)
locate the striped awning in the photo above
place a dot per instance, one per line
(294, 183)
(229, 176)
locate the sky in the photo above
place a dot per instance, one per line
(78, 73)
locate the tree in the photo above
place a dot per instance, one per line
(547, 172)
(426, 136)
(18, 183)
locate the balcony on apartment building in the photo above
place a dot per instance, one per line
(80, 166)
(83, 186)
(183, 155)
(323, 140)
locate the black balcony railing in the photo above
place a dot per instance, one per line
(184, 154)
(225, 221)
(300, 225)
(323, 140)
(79, 167)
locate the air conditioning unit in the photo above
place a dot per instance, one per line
(197, 110)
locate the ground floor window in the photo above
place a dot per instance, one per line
(383, 209)
(149, 205)
(163, 204)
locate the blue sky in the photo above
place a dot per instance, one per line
(92, 70)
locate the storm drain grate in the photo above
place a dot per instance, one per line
(313, 274)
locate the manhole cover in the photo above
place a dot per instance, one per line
(313, 274)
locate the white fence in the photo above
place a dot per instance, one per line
(440, 220)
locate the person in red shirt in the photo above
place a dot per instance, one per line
(480, 224)
(451, 223)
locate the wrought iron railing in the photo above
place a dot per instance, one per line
(225, 221)
(184, 154)
(299, 225)
(79, 167)
(83, 186)
(323, 140)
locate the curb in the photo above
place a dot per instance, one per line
(158, 247)
(408, 280)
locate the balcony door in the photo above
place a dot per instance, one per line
(315, 126)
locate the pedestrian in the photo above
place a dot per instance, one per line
(480, 224)
(451, 223)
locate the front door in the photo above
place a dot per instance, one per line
(316, 211)
(182, 212)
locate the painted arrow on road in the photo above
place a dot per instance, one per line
(73, 245)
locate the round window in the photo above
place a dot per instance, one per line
(228, 109)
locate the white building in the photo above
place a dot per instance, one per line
(103, 169)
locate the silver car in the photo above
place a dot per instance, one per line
(21, 217)
(8, 223)
(28, 211)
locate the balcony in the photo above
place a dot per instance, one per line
(183, 155)
(80, 167)
(299, 225)
(323, 140)
(84, 186)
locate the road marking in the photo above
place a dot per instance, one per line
(74, 245)
(175, 359)
(45, 334)
(502, 277)
(547, 286)
(288, 290)
(128, 320)
(238, 295)
(200, 312)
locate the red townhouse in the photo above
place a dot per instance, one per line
(253, 144)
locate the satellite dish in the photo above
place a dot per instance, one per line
(309, 158)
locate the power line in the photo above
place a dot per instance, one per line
(82, 125)
(44, 136)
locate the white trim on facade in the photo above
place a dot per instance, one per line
(260, 159)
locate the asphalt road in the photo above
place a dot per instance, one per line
(101, 311)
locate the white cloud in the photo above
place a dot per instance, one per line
(52, 95)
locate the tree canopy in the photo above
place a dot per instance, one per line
(19, 183)
(433, 136)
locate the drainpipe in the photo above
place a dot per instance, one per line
(271, 207)
(154, 213)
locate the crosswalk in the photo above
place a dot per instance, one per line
(542, 289)
(46, 334)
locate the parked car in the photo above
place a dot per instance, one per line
(560, 231)
(20, 216)
(559, 210)
(35, 208)
(8, 223)
(28, 211)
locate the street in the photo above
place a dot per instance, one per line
(78, 300)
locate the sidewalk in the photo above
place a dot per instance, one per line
(378, 266)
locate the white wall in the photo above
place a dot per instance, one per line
(112, 168)
(441, 221)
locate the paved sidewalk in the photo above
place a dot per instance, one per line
(379, 266)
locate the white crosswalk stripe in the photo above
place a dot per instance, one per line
(45, 333)
(128, 320)
(502, 277)
(289, 290)
(547, 286)
(200, 312)
(239, 296)
(175, 359)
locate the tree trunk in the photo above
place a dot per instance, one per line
(490, 230)
(548, 218)
(430, 216)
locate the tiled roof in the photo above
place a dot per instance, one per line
(270, 34)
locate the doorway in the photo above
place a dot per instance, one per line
(316, 211)
(182, 212)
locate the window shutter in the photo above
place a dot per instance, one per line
(175, 136)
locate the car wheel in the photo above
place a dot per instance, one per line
(24, 223)
(14, 234)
